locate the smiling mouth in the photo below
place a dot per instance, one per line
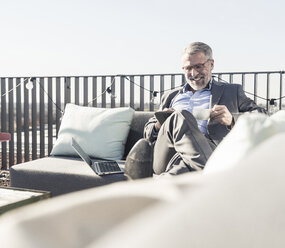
(196, 78)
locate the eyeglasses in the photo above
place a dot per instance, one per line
(197, 67)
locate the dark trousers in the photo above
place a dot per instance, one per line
(180, 146)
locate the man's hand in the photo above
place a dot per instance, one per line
(221, 114)
(157, 125)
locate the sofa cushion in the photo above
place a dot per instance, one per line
(59, 175)
(101, 132)
(137, 127)
(250, 131)
(239, 207)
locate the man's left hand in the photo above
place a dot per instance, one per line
(221, 114)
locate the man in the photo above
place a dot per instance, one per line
(182, 143)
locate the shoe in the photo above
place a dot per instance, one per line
(139, 160)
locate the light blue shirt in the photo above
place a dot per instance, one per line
(189, 101)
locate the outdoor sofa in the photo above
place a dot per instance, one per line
(65, 174)
(237, 201)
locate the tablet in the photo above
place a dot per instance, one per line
(161, 116)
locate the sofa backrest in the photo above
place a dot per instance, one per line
(136, 131)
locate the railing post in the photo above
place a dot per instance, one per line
(19, 121)
(58, 103)
(122, 91)
(281, 89)
(3, 124)
(34, 121)
(103, 96)
(172, 81)
(132, 92)
(230, 78)
(50, 116)
(141, 93)
(242, 80)
(267, 89)
(42, 118)
(94, 93)
(151, 97)
(26, 122)
(113, 90)
(76, 90)
(11, 122)
(67, 91)
(161, 86)
(85, 96)
(255, 86)
(183, 79)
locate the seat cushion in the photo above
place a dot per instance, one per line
(137, 127)
(59, 175)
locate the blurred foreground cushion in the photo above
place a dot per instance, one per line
(239, 207)
(250, 131)
(101, 132)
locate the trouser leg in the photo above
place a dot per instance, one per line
(180, 136)
(139, 160)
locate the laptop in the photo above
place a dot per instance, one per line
(103, 167)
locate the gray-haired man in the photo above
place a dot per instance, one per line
(184, 143)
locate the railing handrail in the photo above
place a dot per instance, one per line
(145, 74)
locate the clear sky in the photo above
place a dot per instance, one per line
(85, 37)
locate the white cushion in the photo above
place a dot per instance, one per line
(101, 132)
(240, 207)
(250, 130)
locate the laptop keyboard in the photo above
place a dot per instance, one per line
(107, 166)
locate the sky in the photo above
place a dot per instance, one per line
(109, 37)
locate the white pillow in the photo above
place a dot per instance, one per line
(101, 132)
(250, 130)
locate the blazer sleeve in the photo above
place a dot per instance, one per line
(149, 132)
(245, 104)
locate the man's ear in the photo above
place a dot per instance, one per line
(212, 62)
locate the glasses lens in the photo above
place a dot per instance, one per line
(198, 67)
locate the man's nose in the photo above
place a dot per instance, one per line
(192, 72)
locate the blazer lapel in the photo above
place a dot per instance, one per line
(217, 91)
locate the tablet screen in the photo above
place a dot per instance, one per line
(161, 116)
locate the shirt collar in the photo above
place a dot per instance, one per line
(186, 87)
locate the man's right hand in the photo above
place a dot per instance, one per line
(157, 125)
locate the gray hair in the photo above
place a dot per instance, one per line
(197, 47)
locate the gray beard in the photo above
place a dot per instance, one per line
(196, 87)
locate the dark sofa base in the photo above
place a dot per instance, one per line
(59, 175)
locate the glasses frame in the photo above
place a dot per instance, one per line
(198, 67)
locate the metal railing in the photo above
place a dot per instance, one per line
(33, 116)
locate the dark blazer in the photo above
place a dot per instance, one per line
(230, 95)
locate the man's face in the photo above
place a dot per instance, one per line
(198, 70)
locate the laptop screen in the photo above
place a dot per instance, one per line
(80, 151)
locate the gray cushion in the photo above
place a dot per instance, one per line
(59, 175)
(136, 132)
